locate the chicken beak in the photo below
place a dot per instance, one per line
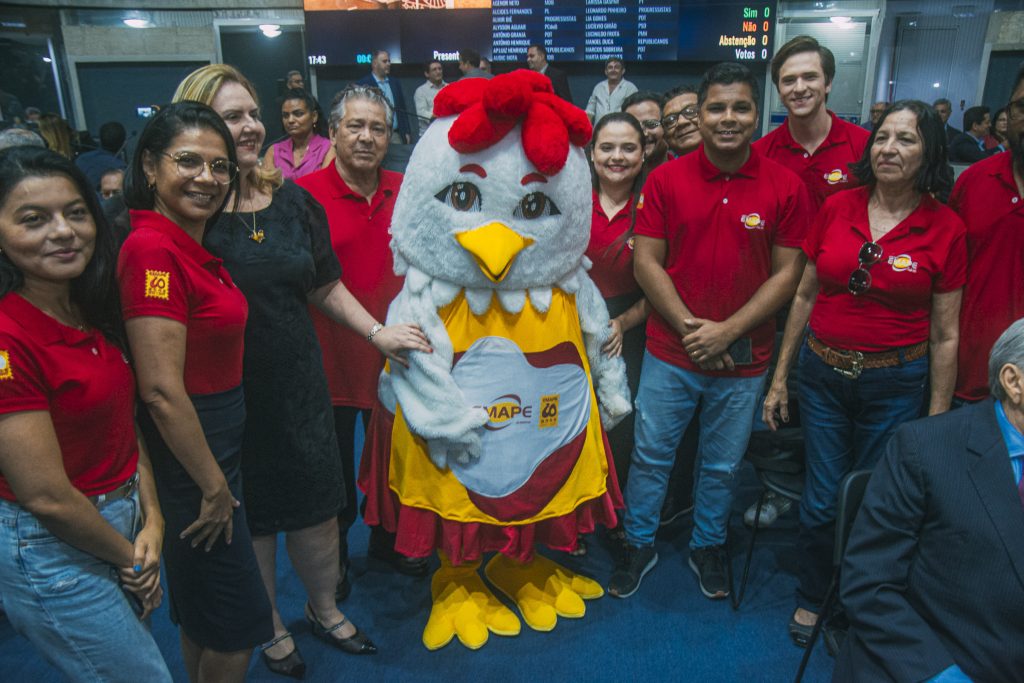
(494, 246)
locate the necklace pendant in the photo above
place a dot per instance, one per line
(257, 236)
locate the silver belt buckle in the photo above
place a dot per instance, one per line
(857, 367)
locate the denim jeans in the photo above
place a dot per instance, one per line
(847, 423)
(69, 604)
(665, 404)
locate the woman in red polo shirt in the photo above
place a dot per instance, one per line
(617, 162)
(79, 519)
(185, 322)
(886, 264)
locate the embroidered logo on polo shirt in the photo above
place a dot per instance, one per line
(631, 242)
(640, 201)
(752, 221)
(5, 366)
(158, 284)
(903, 262)
(835, 176)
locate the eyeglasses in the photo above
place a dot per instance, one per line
(688, 113)
(1016, 108)
(651, 124)
(860, 280)
(190, 165)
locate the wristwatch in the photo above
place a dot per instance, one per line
(377, 327)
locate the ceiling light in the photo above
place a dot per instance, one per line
(138, 23)
(935, 84)
(47, 60)
(840, 20)
(271, 30)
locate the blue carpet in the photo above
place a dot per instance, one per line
(666, 631)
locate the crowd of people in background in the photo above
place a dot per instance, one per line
(236, 288)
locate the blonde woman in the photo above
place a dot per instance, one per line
(274, 240)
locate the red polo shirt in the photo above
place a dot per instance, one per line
(612, 256)
(925, 254)
(165, 273)
(720, 230)
(361, 237)
(83, 381)
(987, 199)
(827, 170)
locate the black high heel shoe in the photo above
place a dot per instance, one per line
(356, 644)
(291, 664)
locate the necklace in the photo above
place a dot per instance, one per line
(256, 235)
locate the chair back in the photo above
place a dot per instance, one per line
(851, 494)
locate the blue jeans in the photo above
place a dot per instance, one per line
(69, 604)
(847, 423)
(665, 404)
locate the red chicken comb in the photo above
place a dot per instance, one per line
(488, 109)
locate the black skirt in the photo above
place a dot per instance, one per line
(216, 597)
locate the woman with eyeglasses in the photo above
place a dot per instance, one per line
(617, 166)
(185, 322)
(79, 520)
(306, 149)
(998, 137)
(874, 322)
(275, 241)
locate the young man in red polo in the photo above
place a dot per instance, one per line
(812, 142)
(989, 196)
(717, 242)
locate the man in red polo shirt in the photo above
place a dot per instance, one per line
(812, 141)
(358, 196)
(717, 243)
(989, 196)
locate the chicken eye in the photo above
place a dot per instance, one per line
(536, 205)
(460, 196)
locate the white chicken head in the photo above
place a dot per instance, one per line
(497, 193)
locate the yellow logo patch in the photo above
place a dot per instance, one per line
(5, 366)
(548, 411)
(903, 262)
(158, 284)
(752, 221)
(835, 176)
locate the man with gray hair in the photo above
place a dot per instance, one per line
(358, 197)
(933, 578)
(20, 137)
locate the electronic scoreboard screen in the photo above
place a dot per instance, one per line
(345, 32)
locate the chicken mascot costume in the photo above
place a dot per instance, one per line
(494, 442)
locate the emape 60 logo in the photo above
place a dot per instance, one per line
(548, 411)
(505, 410)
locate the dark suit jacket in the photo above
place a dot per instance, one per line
(560, 82)
(401, 112)
(952, 134)
(934, 569)
(964, 150)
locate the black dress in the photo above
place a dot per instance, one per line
(291, 471)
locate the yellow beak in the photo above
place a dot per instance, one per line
(494, 246)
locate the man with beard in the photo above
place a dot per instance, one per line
(989, 196)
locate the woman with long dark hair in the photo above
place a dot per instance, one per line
(874, 321)
(306, 149)
(185, 322)
(617, 164)
(79, 518)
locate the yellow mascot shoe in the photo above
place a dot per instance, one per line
(464, 607)
(541, 589)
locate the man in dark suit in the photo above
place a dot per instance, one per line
(933, 578)
(944, 108)
(380, 77)
(969, 146)
(537, 60)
